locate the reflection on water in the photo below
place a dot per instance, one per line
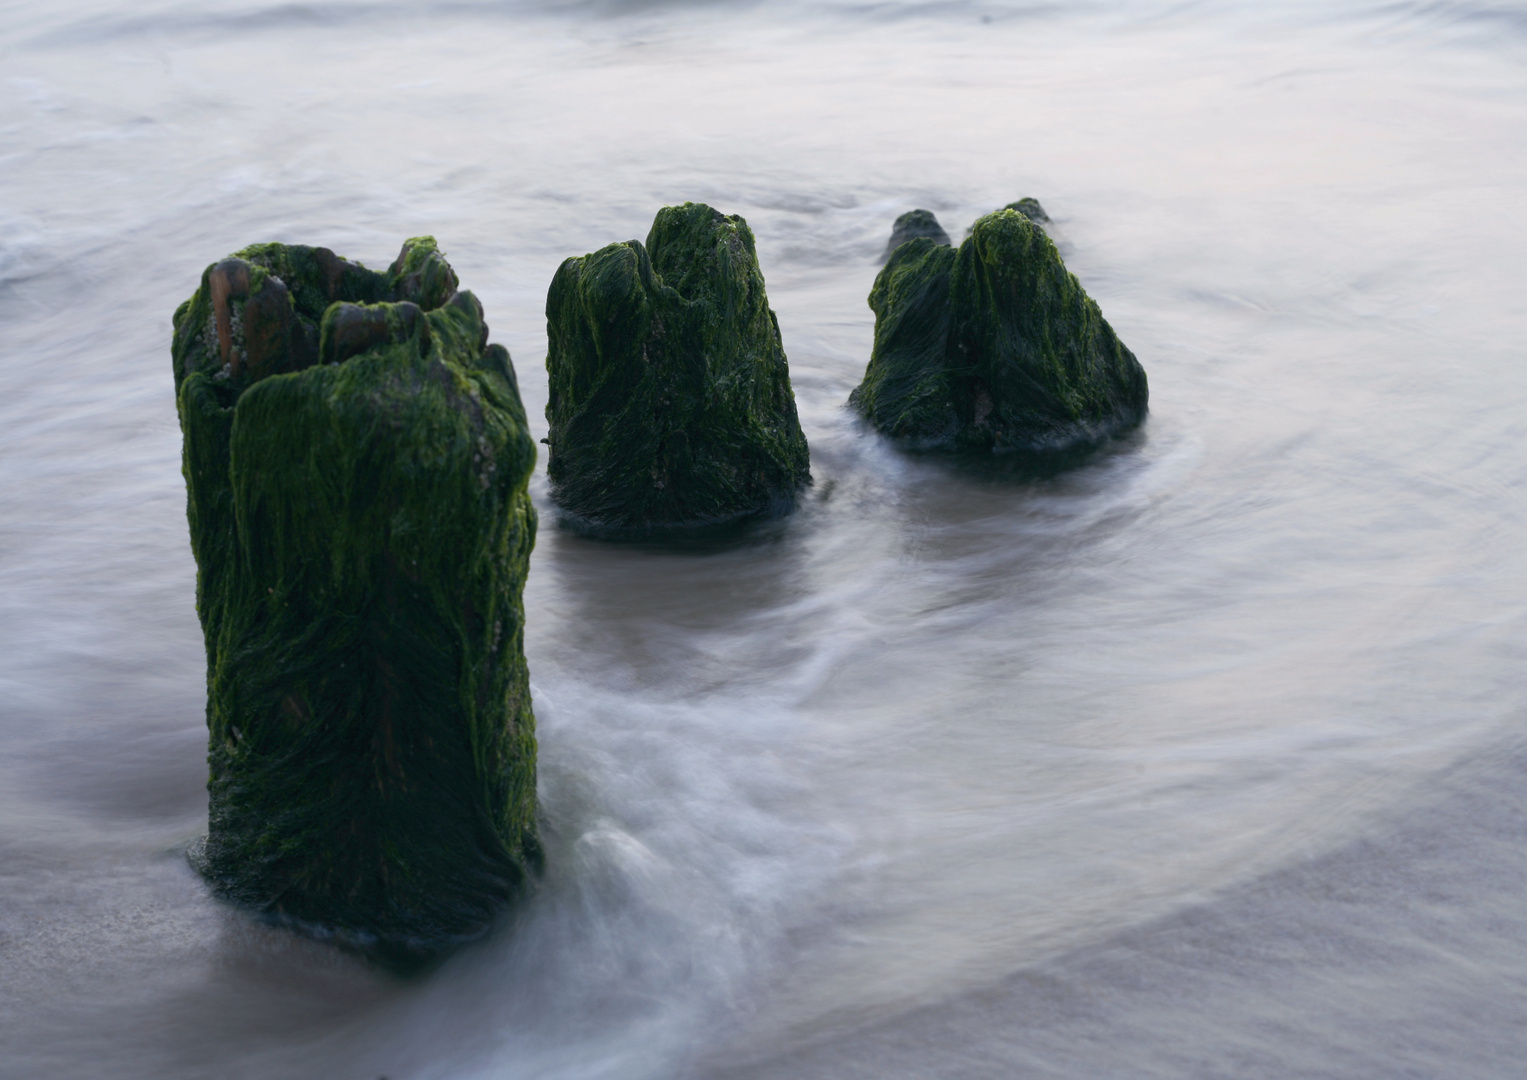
(1194, 758)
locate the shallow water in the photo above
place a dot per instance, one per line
(1203, 759)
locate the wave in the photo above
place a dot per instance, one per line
(1256, 981)
(87, 22)
(1466, 23)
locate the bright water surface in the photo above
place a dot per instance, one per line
(1203, 760)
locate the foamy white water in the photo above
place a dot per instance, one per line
(1201, 760)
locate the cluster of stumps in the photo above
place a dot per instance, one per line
(357, 458)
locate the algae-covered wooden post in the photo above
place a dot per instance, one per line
(356, 457)
(1030, 209)
(910, 226)
(670, 401)
(995, 346)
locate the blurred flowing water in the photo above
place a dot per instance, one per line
(1203, 759)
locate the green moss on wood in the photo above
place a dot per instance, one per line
(910, 226)
(995, 346)
(906, 392)
(670, 402)
(1029, 208)
(356, 464)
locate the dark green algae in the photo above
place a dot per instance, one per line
(912, 224)
(356, 458)
(670, 404)
(995, 346)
